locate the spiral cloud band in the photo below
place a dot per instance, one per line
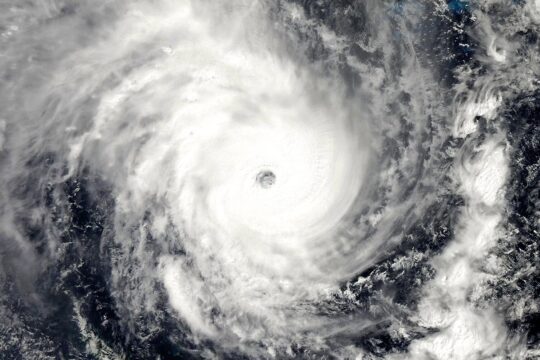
(233, 114)
(256, 179)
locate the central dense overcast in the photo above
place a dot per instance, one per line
(270, 179)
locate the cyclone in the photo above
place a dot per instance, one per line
(237, 113)
(269, 180)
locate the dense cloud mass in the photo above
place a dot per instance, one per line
(270, 179)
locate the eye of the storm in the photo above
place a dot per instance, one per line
(266, 179)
